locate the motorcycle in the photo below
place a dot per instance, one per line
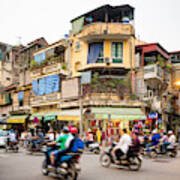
(93, 147)
(11, 146)
(154, 151)
(132, 160)
(39, 147)
(67, 168)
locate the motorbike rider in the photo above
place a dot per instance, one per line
(155, 139)
(136, 143)
(89, 138)
(64, 140)
(171, 139)
(39, 138)
(122, 146)
(164, 141)
(51, 135)
(12, 137)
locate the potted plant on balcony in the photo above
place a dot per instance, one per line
(169, 66)
(64, 66)
(33, 64)
(160, 61)
(133, 97)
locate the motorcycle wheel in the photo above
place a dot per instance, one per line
(96, 151)
(6, 149)
(153, 154)
(16, 150)
(72, 174)
(134, 163)
(44, 170)
(173, 154)
(105, 160)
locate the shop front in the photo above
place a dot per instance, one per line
(69, 118)
(18, 122)
(3, 123)
(110, 121)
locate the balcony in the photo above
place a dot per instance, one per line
(153, 72)
(50, 68)
(102, 63)
(101, 99)
(106, 31)
(48, 99)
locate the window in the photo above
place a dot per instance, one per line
(46, 85)
(21, 103)
(95, 53)
(117, 52)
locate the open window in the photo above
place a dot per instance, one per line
(95, 53)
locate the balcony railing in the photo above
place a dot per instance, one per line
(153, 72)
(106, 30)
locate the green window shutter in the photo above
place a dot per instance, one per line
(1, 56)
(113, 50)
(8, 98)
(117, 52)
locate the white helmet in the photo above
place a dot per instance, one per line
(154, 131)
(170, 132)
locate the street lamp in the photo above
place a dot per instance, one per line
(177, 83)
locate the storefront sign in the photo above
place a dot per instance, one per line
(152, 115)
(35, 120)
(86, 77)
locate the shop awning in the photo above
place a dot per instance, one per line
(118, 113)
(48, 116)
(17, 119)
(69, 115)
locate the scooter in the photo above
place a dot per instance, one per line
(132, 160)
(11, 146)
(93, 147)
(171, 150)
(67, 168)
(39, 147)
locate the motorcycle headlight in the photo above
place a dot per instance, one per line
(64, 165)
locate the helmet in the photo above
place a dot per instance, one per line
(65, 129)
(11, 131)
(154, 131)
(74, 130)
(170, 132)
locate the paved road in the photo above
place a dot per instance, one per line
(27, 167)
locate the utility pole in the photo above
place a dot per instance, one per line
(81, 110)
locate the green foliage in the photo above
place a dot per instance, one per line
(133, 97)
(64, 66)
(168, 66)
(161, 60)
(33, 64)
(119, 86)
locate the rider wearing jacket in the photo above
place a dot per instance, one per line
(122, 146)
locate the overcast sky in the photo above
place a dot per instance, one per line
(155, 20)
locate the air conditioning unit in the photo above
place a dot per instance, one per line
(108, 60)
